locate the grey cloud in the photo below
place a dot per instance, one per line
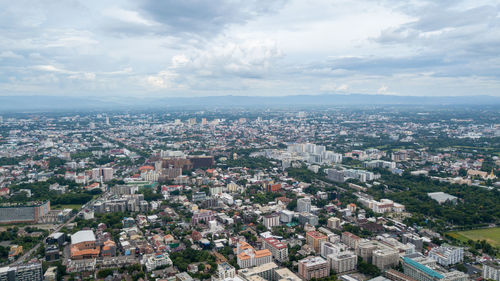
(205, 17)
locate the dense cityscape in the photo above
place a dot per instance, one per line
(330, 193)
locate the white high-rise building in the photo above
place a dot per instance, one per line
(304, 205)
(343, 262)
(491, 271)
(447, 255)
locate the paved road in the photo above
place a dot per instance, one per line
(28, 254)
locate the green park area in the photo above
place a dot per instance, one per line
(66, 206)
(491, 235)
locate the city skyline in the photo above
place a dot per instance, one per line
(249, 48)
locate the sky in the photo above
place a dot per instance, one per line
(172, 48)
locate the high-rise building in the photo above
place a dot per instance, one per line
(247, 256)
(328, 248)
(277, 248)
(286, 216)
(385, 258)
(271, 221)
(314, 240)
(333, 223)
(351, 240)
(304, 205)
(447, 255)
(103, 174)
(313, 267)
(107, 121)
(343, 262)
(491, 271)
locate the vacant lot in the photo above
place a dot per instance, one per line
(491, 235)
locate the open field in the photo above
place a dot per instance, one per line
(491, 235)
(66, 206)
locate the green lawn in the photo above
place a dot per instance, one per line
(491, 235)
(66, 206)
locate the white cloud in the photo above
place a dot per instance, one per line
(128, 16)
(251, 47)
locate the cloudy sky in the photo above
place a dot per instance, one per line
(249, 47)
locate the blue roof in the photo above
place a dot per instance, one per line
(423, 268)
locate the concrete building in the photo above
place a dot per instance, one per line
(343, 262)
(278, 249)
(28, 213)
(247, 256)
(351, 240)
(27, 272)
(271, 221)
(314, 240)
(286, 216)
(304, 205)
(333, 223)
(413, 239)
(491, 271)
(83, 245)
(385, 258)
(259, 273)
(224, 270)
(447, 255)
(328, 248)
(425, 270)
(313, 267)
(203, 216)
(308, 218)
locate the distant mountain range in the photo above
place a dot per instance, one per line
(67, 103)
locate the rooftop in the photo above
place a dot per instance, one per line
(82, 236)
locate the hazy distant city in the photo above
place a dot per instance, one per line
(388, 192)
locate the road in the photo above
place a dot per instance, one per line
(28, 254)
